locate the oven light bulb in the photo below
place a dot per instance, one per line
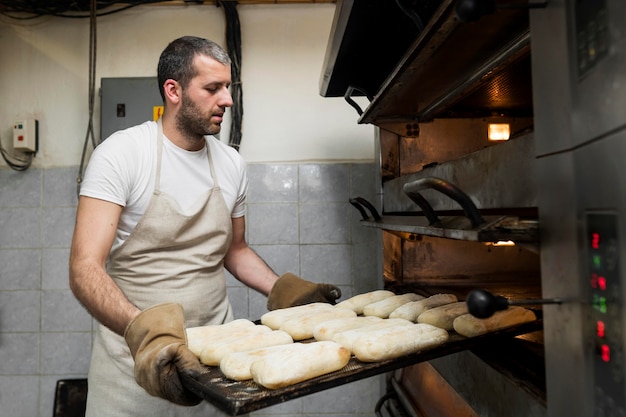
(499, 131)
(501, 243)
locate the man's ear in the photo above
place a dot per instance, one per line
(173, 91)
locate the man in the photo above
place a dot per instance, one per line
(161, 213)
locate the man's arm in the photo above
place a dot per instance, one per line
(245, 264)
(96, 223)
(156, 336)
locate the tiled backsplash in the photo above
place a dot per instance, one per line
(299, 220)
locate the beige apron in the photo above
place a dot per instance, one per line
(170, 256)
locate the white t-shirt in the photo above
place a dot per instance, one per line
(122, 170)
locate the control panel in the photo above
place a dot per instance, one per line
(605, 290)
(128, 101)
(26, 135)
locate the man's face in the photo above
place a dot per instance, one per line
(205, 99)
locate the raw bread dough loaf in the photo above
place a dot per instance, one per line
(199, 337)
(384, 307)
(411, 310)
(213, 353)
(275, 318)
(348, 338)
(236, 365)
(298, 362)
(301, 328)
(328, 329)
(468, 325)
(359, 301)
(443, 316)
(393, 342)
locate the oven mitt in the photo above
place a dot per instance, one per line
(158, 343)
(291, 290)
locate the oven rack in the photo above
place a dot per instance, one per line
(240, 397)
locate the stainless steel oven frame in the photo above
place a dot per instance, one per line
(579, 86)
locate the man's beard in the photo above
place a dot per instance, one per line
(192, 123)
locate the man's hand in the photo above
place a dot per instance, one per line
(158, 343)
(291, 290)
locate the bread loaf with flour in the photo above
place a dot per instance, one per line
(357, 302)
(470, 326)
(394, 342)
(301, 327)
(411, 310)
(275, 318)
(199, 337)
(213, 353)
(384, 307)
(348, 338)
(298, 362)
(443, 316)
(328, 329)
(236, 365)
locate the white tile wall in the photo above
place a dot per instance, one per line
(299, 220)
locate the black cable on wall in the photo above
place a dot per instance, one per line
(20, 9)
(90, 136)
(233, 44)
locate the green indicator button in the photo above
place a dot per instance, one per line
(599, 303)
(597, 261)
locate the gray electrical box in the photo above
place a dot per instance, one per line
(126, 102)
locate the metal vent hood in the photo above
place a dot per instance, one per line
(367, 40)
(444, 69)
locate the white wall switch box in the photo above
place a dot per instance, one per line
(26, 135)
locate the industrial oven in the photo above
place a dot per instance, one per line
(537, 217)
(579, 75)
(554, 72)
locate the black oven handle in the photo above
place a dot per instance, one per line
(359, 202)
(449, 189)
(348, 97)
(427, 209)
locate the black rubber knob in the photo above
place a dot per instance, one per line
(472, 10)
(482, 304)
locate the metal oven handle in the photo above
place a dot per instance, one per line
(471, 211)
(427, 209)
(359, 202)
(348, 97)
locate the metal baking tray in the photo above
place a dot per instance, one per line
(240, 397)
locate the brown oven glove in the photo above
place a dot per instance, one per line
(158, 343)
(291, 290)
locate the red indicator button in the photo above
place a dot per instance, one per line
(602, 283)
(595, 240)
(594, 280)
(600, 329)
(20, 138)
(605, 353)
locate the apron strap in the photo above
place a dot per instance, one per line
(157, 178)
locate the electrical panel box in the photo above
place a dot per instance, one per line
(26, 135)
(126, 102)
